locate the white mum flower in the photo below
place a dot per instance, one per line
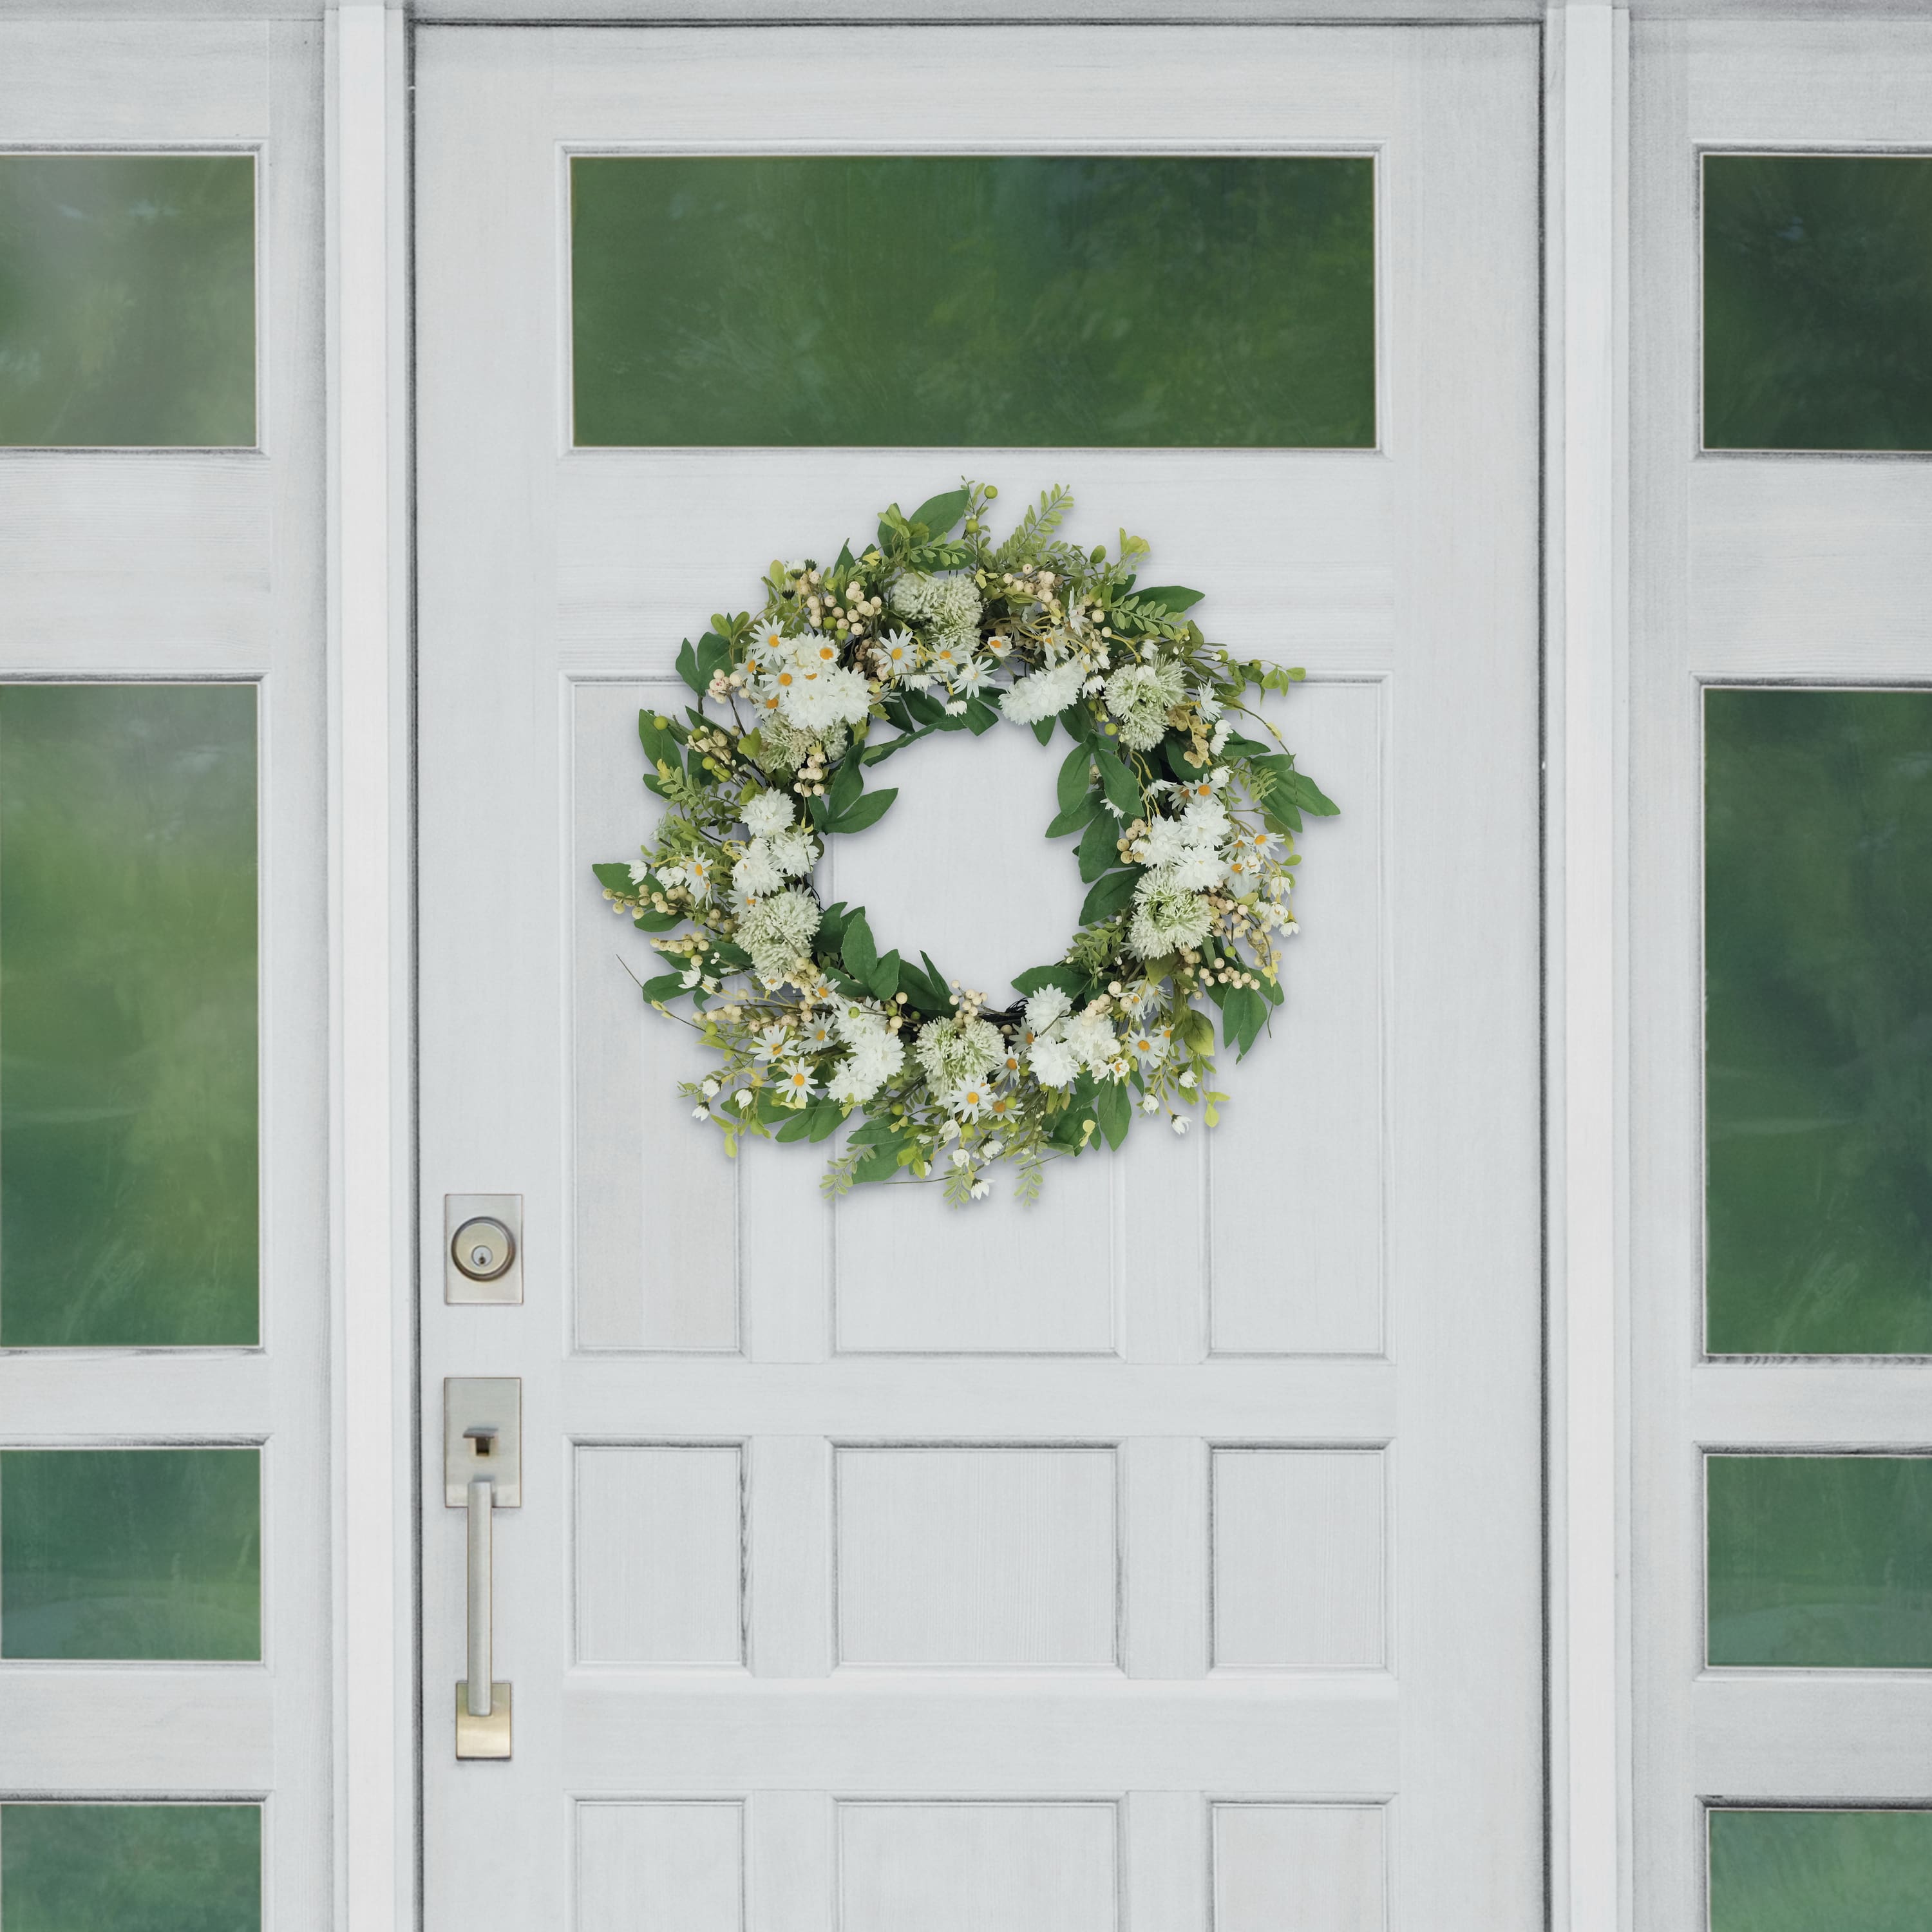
(1053, 1062)
(758, 872)
(1046, 1006)
(794, 853)
(1181, 1123)
(835, 696)
(1045, 694)
(639, 871)
(768, 812)
(1206, 820)
(1092, 1039)
(1166, 841)
(1196, 871)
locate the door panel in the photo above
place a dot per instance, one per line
(1169, 1549)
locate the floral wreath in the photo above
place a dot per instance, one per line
(1185, 829)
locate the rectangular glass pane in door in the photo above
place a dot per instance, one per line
(138, 1867)
(127, 301)
(1780, 1869)
(128, 1113)
(965, 302)
(1818, 1041)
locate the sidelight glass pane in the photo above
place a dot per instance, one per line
(133, 1867)
(127, 300)
(1818, 963)
(1818, 1871)
(127, 1016)
(131, 1553)
(1820, 1561)
(1817, 302)
(974, 301)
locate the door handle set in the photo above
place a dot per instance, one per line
(482, 1472)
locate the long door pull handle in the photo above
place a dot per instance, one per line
(482, 1507)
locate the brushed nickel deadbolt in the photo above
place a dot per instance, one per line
(482, 1253)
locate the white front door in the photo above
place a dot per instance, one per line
(1165, 1555)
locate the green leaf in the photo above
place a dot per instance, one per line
(858, 950)
(875, 1132)
(1243, 1013)
(825, 1117)
(878, 1163)
(1197, 1031)
(1310, 796)
(724, 953)
(920, 991)
(1180, 760)
(980, 716)
(816, 810)
(929, 710)
(1075, 816)
(616, 878)
(868, 810)
(1110, 895)
(831, 925)
(846, 788)
(1271, 992)
(657, 921)
(687, 668)
(1069, 981)
(939, 514)
(1071, 784)
(883, 979)
(1237, 746)
(796, 1129)
(1042, 730)
(654, 732)
(714, 655)
(1174, 597)
(1119, 783)
(665, 986)
(1100, 846)
(1114, 1109)
(938, 982)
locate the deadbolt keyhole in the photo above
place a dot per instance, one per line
(482, 1248)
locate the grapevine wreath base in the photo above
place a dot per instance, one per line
(1185, 826)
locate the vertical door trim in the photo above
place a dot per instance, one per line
(1586, 539)
(369, 874)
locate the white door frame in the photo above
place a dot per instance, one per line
(1585, 481)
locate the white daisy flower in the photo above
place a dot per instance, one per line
(639, 871)
(969, 1099)
(774, 1043)
(899, 653)
(1148, 1048)
(694, 873)
(770, 645)
(796, 1081)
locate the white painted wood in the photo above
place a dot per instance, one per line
(1585, 604)
(977, 1556)
(1297, 1865)
(956, 1868)
(1378, 1179)
(367, 521)
(793, 1854)
(1752, 568)
(1067, 1735)
(186, 564)
(1300, 1537)
(660, 1867)
(1165, 1536)
(660, 1558)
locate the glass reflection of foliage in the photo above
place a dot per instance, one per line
(134, 1868)
(974, 302)
(127, 300)
(127, 1016)
(1819, 1871)
(1820, 1561)
(131, 1553)
(1817, 302)
(1818, 961)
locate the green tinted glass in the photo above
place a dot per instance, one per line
(1817, 302)
(131, 1553)
(127, 299)
(1819, 1871)
(1820, 1561)
(130, 1868)
(966, 302)
(127, 1014)
(1818, 958)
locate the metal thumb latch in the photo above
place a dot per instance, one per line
(482, 1472)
